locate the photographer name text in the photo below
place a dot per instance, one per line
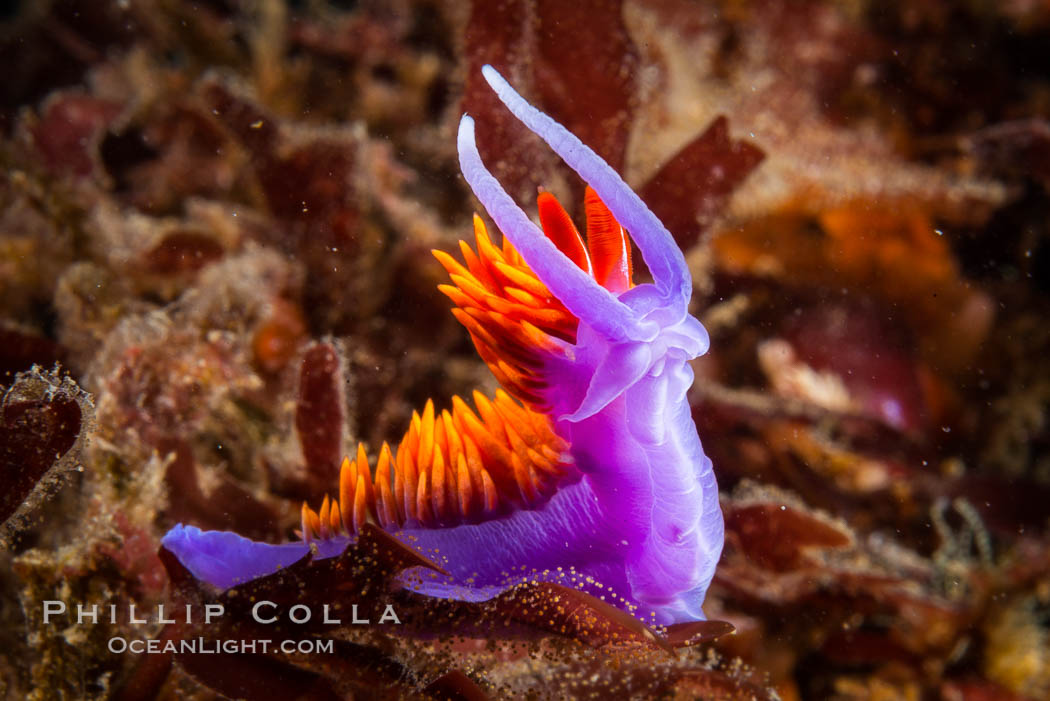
(263, 612)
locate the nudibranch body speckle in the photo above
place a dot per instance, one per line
(587, 469)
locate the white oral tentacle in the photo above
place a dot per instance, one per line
(658, 247)
(580, 294)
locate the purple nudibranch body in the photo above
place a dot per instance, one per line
(639, 513)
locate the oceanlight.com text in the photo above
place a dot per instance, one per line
(205, 646)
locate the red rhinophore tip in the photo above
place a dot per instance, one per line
(609, 246)
(559, 229)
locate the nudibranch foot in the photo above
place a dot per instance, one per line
(586, 468)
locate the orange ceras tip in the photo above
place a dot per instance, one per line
(455, 467)
(460, 465)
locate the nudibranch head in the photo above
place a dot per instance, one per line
(639, 327)
(587, 469)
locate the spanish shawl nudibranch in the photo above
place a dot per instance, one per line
(587, 470)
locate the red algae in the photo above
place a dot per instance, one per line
(692, 187)
(216, 217)
(320, 417)
(44, 420)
